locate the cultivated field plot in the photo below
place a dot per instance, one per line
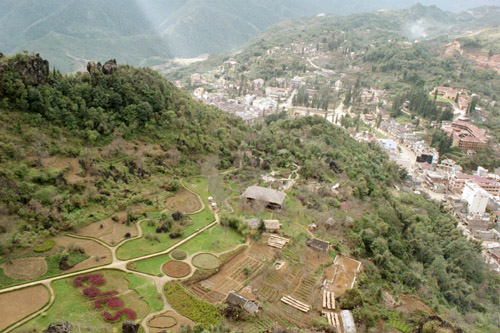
(176, 269)
(233, 273)
(205, 261)
(183, 201)
(16, 305)
(99, 255)
(344, 274)
(25, 268)
(298, 279)
(109, 231)
(166, 319)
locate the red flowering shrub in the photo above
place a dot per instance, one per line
(112, 302)
(91, 292)
(94, 279)
(130, 314)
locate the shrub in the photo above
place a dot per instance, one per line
(94, 280)
(47, 245)
(129, 312)
(191, 307)
(93, 292)
(178, 254)
(111, 302)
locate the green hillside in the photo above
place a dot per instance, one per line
(77, 149)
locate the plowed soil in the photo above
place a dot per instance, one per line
(176, 269)
(18, 304)
(111, 232)
(25, 268)
(184, 202)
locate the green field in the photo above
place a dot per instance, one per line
(216, 239)
(151, 265)
(147, 289)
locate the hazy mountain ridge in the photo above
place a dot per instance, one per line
(160, 29)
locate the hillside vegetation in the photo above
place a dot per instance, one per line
(131, 131)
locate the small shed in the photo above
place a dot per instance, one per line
(272, 225)
(329, 223)
(313, 226)
(318, 244)
(273, 199)
(240, 300)
(348, 321)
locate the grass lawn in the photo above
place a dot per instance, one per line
(147, 289)
(216, 239)
(142, 246)
(71, 305)
(151, 265)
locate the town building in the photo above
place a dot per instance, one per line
(272, 199)
(318, 244)
(272, 225)
(476, 198)
(240, 300)
(457, 183)
(466, 135)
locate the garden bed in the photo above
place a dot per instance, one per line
(176, 269)
(205, 261)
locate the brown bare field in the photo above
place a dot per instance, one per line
(176, 269)
(92, 249)
(344, 274)
(410, 303)
(180, 321)
(314, 258)
(74, 169)
(18, 304)
(111, 232)
(232, 275)
(25, 268)
(183, 201)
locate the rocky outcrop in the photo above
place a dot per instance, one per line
(63, 327)
(33, 69)
(130, 326)
(109, 67)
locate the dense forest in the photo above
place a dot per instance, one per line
(405, 242)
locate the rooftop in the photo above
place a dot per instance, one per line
(264, 194)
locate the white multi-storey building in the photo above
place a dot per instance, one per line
(476, 197)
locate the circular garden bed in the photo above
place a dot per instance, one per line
(206, 261)
(26, 268)
(176, 269)
(178, 255)
(162, 321)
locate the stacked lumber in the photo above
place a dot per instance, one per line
(296, 304)
(277, 242)
(333, 320)
(328, 300)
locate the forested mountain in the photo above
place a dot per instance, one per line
(145, 32)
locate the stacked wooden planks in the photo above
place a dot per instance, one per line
(328, 300)
(296, 304)
(277, 242)
(333, 320)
